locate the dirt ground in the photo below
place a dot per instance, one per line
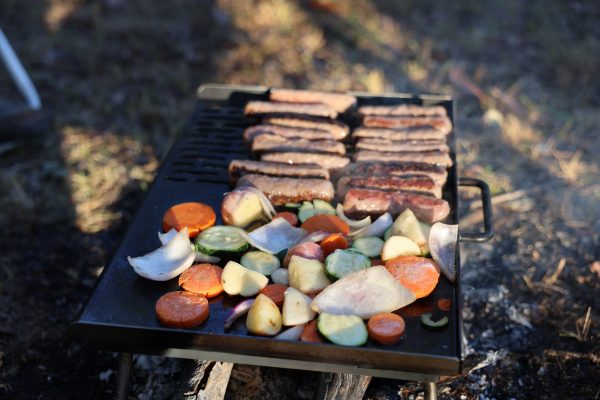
(118, 77)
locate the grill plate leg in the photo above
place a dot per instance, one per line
(123, 376)
(430, 390)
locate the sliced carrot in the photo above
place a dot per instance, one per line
(333, 242)
(386, 328)
(275, 291)
(444, 304)
(419, 274)
(203, 279)
(326, 223)
(377, 261)
(182, 309)
(290, 217)
(196, 216)
(310, 333)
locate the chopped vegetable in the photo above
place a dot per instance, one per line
(428, 322)
(166, 262)
(226, 239)
(444, 304)
(386, 328)
(259, 261)
(310, 333)
(333, 242)
(195, 216)
(443, 240)
(323, 207)
(236, 279)
(353, 224)
(308, 250)
(377, 228)
(363, 293)
(243, 206)
(275, 292)
(408, 225)
(418, 274)
(237, 311)
(344, 262)
(205, 258)
(292, 333)
(388, 233)
(326, 223)
(308, 276)
(292, 205)
(306, 211)
(280, 276)
(345, 330)
(370, 246)
(397, 246)
(182, 309)
(167, 236)
(296, 308)
(290, 217)
(204, 279)
(275, 236)
(316, 236)
(264, 317)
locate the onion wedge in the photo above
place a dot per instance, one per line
(275, 236)
(377, 228)
(198, 257)
(353, 224)
(166, 262)
(293, 333)
(443, 239)
(237, 311)
(316, 236)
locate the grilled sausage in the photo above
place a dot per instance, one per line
(411, 133)
(267, 107)
(378, 121)
(339, 102)
(289, 190)
(333, 163)
(287, 131)
(238, 168)
(435, 172)
(411, 110)
(338, 129)
(432, 157)
(361, 202)
(402, 145)
(273, 143)
(419, 184)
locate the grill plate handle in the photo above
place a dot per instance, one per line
(486, 201)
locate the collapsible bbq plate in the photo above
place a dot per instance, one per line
(119, 315)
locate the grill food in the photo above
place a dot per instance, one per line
(289, 190)
(254, 108)
(338, 129)
(339, 102)
(410, 133)
(378, 121)
(274, 143)
(435, 172)
(330, 162)
(238, 168)
(287, 131)
(432, 157)
(422, 184)
(412, 110)
(402, 145)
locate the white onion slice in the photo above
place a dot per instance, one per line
(377, 228)
(166, 262)
(443, 239)
(293, 333)
(275, 236)
(315, 236)
(167, 237)
(352, 223)
(198, 257)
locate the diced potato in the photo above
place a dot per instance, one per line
(236, 279)
(241, 208)
(308, 276)
(397, 246)
(264, 317)
(296, 308)
(408, 225)
(280, 275)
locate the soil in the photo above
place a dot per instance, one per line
(117, 77)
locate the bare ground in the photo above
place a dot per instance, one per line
(118, 77)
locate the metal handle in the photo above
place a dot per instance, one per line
(486, 201)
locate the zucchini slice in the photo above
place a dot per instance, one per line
(370, 246)
(306, 210)
(260, 261)
(323, 207)
(428, 322)
(221, 238)
(345, 330)
(344, 262)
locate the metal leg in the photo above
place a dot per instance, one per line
(123, 376)
(430, 390)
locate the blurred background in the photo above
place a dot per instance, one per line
(117, 80)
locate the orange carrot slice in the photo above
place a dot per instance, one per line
(203, 279)
(386, 328)
(419, 274)
(182, 309)
(333, 242)
(444, 304)
(326, 223)
(196, 216)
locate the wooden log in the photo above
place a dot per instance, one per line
(206, 380)
(341, 387)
